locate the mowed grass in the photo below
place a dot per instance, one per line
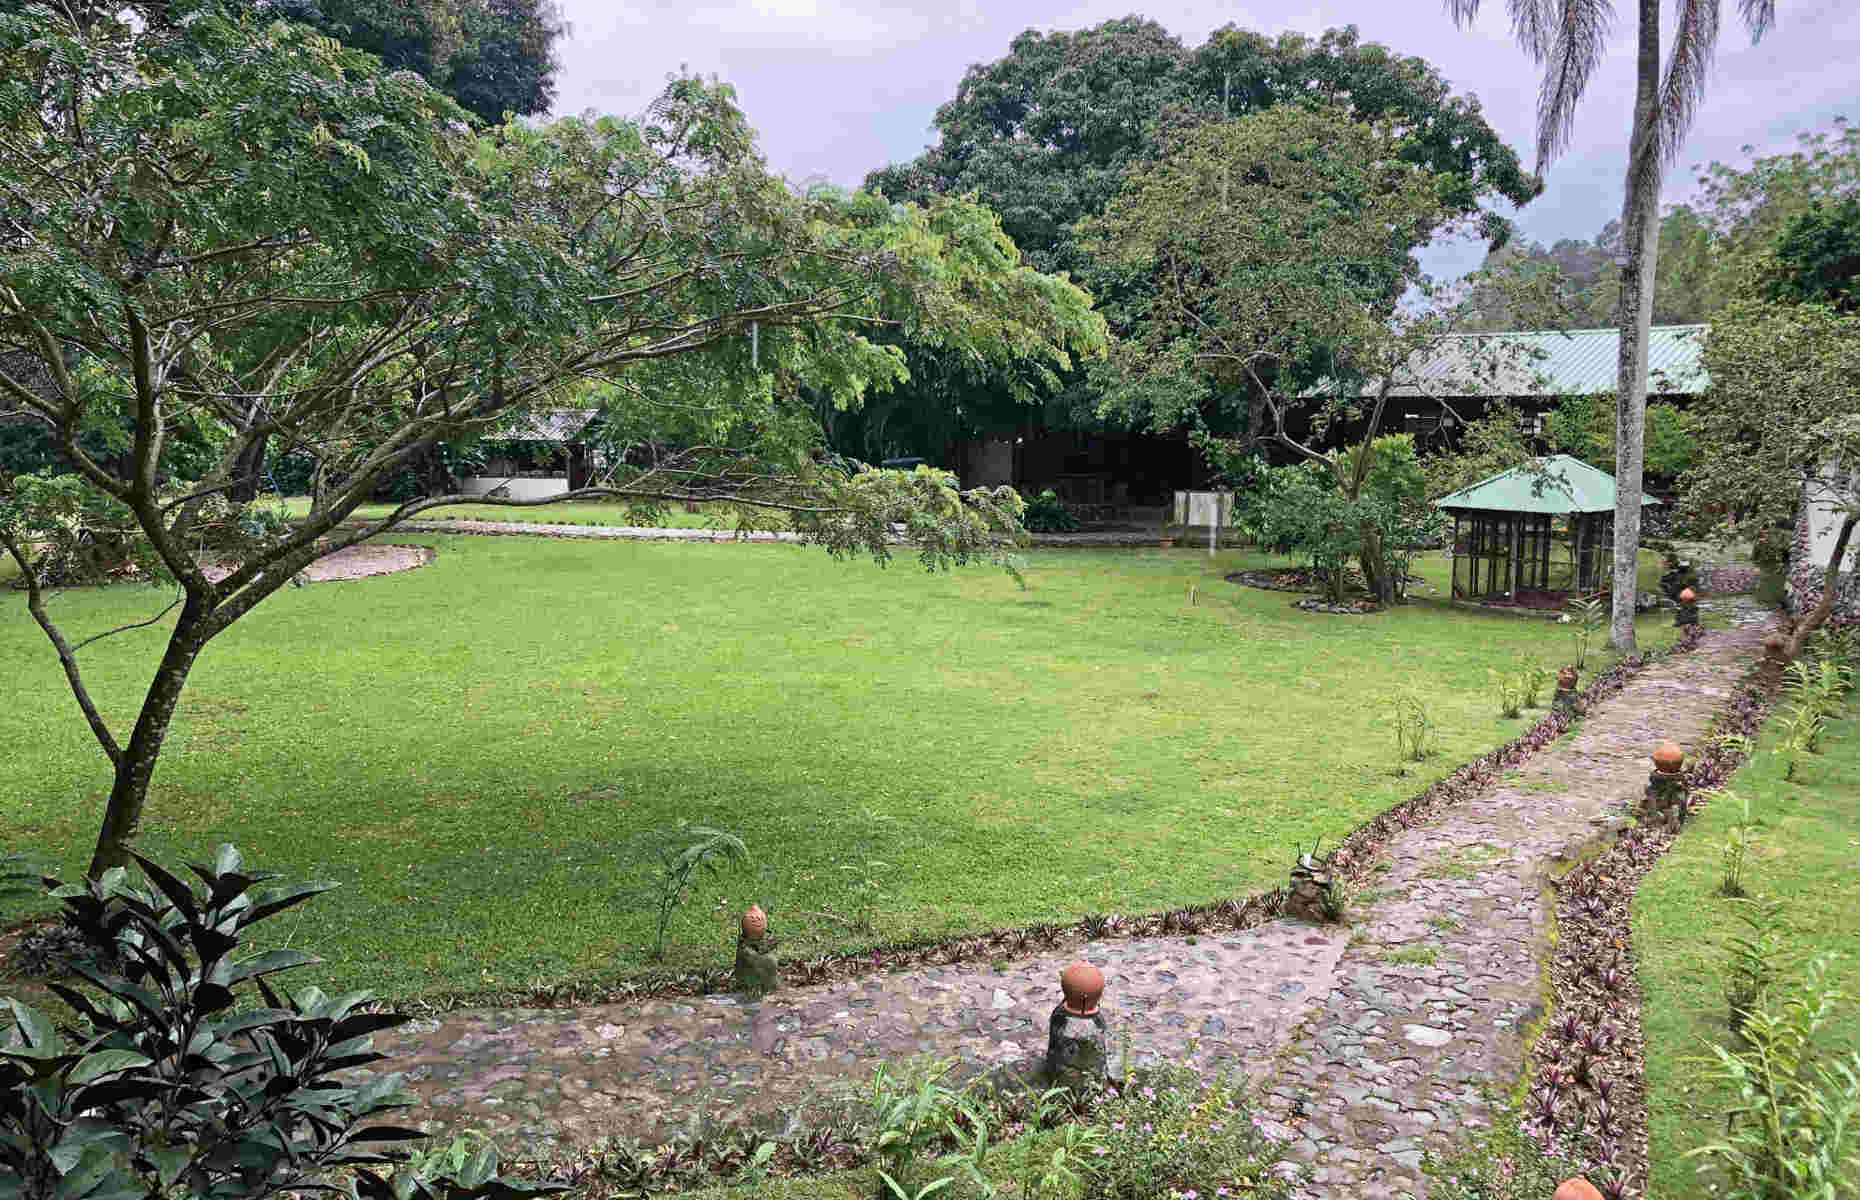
(1808, 856)
(479, 751)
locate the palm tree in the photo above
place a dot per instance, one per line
(1568, 38)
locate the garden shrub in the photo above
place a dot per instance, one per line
(175, 1084)
(1171, 1133)
(1047, 513)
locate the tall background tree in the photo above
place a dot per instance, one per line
(1050, 133)
(1569, 38)
(261, 236)
(1282, 245)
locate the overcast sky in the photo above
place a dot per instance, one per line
(838, 87)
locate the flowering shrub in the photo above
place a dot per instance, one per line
(1171, 1134)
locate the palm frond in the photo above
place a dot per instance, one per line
(1462, 12)
(1759, 16)
(1577, 44)
(1694, 44)
(1534, 24)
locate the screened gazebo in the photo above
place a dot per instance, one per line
(1534, 535)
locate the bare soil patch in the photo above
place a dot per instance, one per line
(354, 562)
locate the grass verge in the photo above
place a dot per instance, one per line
(1807, 855)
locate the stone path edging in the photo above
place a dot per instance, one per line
(1371, 1042)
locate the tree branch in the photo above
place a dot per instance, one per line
(67, 656)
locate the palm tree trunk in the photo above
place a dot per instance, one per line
(1640, 225)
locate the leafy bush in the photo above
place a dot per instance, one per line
(1584, 427)
(910, 1116)
(1500, 1163)
(1792, 1133)
(1047, 513)
(176, 1088)
(1172, 1133)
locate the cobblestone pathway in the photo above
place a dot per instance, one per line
(1441, 981)
(1372, 1039)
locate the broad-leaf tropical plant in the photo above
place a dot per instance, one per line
(195, 1072)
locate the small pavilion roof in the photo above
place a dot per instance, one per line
(1559, 485)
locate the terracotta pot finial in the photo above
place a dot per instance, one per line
(1667, 757)
(1576, 1188)
(755, 923)
(1083, 985)
(1688, 596)
(1566, 678)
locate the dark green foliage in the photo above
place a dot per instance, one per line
(1048, 134)
(1047, 513)
(177, 1082)
(492, 56)
(1818, 257)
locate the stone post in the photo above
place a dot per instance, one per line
(1564, 700)
(1688, 611)
(758, 971)
(1077, 1037)
(1310, 897)
(1664, 805)
(1775, 659)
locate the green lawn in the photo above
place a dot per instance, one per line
(1807, 855)
(479, 750)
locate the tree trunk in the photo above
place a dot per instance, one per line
(1377, 575)
(248, 473)
(1640, 220)
(129, 793)
(1824, 608)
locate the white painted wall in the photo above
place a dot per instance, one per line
(520, 489)
(1824, 522)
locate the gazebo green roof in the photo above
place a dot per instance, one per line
(1558, 485)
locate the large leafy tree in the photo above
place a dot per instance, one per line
(236, 225)
(1282, 244)
(1050, 133)
(1569, 37)
(1779, 429)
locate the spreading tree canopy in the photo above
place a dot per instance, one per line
(232, 230)
(1281, 246)
(1048, 135)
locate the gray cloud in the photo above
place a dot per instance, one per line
(838, 87)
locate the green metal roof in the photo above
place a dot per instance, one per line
(1558, 484)
(1577, 362)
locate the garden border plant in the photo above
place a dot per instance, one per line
(1586, 1088)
